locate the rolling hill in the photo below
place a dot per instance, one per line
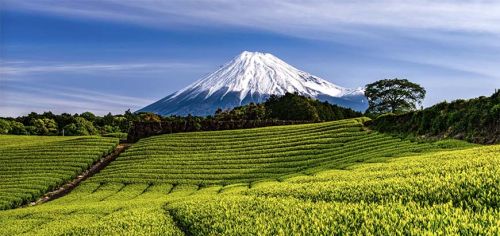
(320, 179)
(33, 165)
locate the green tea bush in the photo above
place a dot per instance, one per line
(33, 165)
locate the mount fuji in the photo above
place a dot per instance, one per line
(252, 77)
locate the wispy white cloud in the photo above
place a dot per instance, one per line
(9, 68)
(287, 16)
(453, 35)
(83, 95)
(22, 99)
(469, 26)
(27, 86)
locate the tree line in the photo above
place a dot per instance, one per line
(86, 123)
(393, 106)
(475, 120)
(289, 107)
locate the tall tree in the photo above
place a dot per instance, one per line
(45, 126)
(88, 116)
(291, 106)
(393, 95)
(80, 127)
(4, 126)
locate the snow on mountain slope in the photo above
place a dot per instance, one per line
(252, 77)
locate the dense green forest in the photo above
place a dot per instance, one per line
(287, 107)
(475, 120)
(86, 123)
(290, 106)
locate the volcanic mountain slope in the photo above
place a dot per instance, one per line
(252, 77)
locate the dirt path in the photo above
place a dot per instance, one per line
(68, 187)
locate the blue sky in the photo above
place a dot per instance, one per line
(109, 56)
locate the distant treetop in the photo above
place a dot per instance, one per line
(393, 95)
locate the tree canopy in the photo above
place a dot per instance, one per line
(393, 95)
(81, 127)
(289, 107)
(475, 120)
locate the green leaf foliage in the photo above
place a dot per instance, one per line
(80, 127)
(476, 120)
(393, 95)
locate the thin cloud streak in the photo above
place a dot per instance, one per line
(83, 94)
(449, 46)
(23, 68)
(287, 16)
(22, 103)
(22, 99)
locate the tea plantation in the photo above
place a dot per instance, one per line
(315, 179)
(33, 165)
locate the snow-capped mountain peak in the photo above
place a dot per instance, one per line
(253, 73)
(252, 77)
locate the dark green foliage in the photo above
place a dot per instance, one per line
(86, 123)
(393, 95)
(110, 129)
(17, 128)
(292, 106)
(88, 116)
(277, 110)
(115, 123)
(80, 127)
(64, 119)
(45, 126)
(30, 129)
(251, 111)
(149, 117)
(4, 126)
(475, 120)
(66, 124)
(11, 126)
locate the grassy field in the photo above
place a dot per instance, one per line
(33, 165)
(315, 179)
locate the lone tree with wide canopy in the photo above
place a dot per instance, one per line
(393, 95)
